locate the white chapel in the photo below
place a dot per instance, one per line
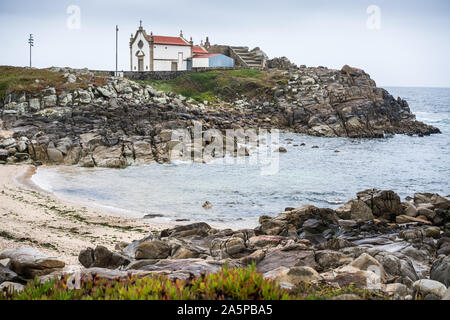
(150, 52)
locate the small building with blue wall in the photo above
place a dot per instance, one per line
(212, 60)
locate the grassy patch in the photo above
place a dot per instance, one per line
(227, 284)
(213, 85)
(16, 79)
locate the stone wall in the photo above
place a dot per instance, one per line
(157, 75)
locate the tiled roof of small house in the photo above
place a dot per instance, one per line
(175, 41)
(199, 50)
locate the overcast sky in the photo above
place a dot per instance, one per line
(410, 47)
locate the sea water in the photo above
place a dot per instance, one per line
(240, 194)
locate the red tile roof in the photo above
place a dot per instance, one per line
(199, 50)
(175, 41)
(209, 55)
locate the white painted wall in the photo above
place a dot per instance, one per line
(200, 63)
(169, 52)
(145, 49)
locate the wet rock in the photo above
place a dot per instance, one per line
(440, 270)
(155, 249)
(29, 262)
(355, 210)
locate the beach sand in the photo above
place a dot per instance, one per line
(35, 218)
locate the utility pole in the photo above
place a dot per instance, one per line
(31, 42)
(117, 49)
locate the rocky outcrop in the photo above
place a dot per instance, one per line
(101, 257)
(30, 263)
(123, 123)
(281, 63)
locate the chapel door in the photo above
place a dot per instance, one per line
(141, 64)
(174, 66)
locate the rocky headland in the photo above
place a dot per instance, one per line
(374, 242)
(93, 121)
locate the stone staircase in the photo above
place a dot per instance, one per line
(246, 58)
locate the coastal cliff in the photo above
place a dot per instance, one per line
(66, 116)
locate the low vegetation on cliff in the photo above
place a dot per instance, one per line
(17, 79)
(214, 85)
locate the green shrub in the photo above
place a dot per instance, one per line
(17, 79)
(235, 284)
(214, 85)
(227, 284)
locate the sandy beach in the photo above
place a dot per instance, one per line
(34, 218)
